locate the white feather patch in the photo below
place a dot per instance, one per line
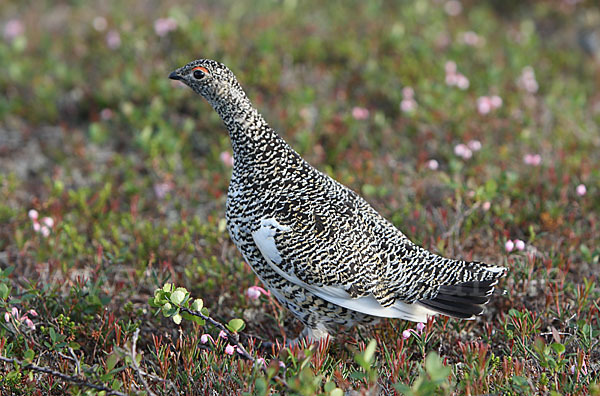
(369, 305)
(263, 237)
(496, 269)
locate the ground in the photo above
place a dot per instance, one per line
(472, 126)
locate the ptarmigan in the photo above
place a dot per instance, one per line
(320, 248)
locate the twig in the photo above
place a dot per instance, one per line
(234, 339)
(64, 377)
(77, 362)
(459, 220)
(135, 365)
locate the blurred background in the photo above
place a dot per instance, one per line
(473, 126)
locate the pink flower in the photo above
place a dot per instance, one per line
(462, 82)
(29, 323)
(453, 7)
(204, 338)
(420, 327)
(106, 114)
(260, 361)
(253, 293)
(45, 231)
(36, 226)
(7, 316)
(408, 93)
(474, 145)
(33, 214)
(281, 364)
(162, 26)
(527, 80)
(48, 221)
(486, 205)
(463, 151)
(406, 334)
(408, 105)
(454, 78)
(432, 164)
(470, 38)
(532, 159)
(509, 246)
(229, 349)
(113, 39)
(226, 158)
(495, 101)
(483, 105)
(451, 80)
(581, 190)
(99, 23)
(360, 113)
(222, 334)
(15, 312)
(13, 29)
(519, 244)
(32, 313)
(161, 189)
(450, 67)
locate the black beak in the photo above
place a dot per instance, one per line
(175, 76)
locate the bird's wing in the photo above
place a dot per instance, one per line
(332, 252)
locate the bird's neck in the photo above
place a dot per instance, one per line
(250, 134)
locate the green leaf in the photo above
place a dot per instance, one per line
(558, 348)
(435, 367)
(491, 186)
(167, 287)
(28, 355)
(167, 310)
(177, 318)
(177, 297)
(3, 291)
(236, 325)
(520, 382)
(360, 359)
(260, 386)
(197, 304)
(357, 375)
(52, 334)
(329, 386)
(153, 303)
(370, 351)
(336, 392)
(111, 361)
(402, 388)
(74, 345)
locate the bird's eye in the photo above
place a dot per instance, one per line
(199, 72)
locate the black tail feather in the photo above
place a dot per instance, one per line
(463, 301)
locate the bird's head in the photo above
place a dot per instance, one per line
(211, 79)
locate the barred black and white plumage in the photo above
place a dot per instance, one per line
(320, 248)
